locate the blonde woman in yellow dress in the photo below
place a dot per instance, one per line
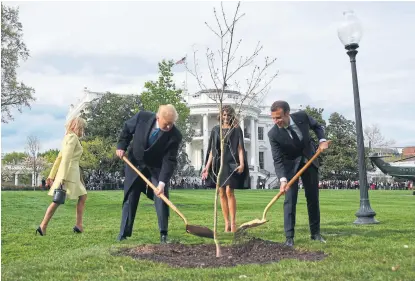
(66, 171)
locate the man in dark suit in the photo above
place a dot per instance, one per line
(154, 152)
(291, 148)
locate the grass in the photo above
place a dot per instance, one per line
(366, 252)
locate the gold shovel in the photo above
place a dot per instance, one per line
(258, 222)
(197, 230)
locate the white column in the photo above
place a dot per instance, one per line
(189, 152)
(39, 180)
(205, 133)
(256, 146)
(253, 144)
(16, 179)
(242, 124)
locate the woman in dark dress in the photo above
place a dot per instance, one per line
(235, 171)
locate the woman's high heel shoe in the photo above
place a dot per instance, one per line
(39, 230)
(76, 229)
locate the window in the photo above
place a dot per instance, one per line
(261, 133)
(261, 159)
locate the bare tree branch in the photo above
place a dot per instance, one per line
(374, 137)
(224, 67)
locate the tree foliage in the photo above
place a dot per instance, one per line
(99, 155)
(317, 114)
(340, 161)
(13, 158)
(106, 115)
(49, 157)
(14, 94)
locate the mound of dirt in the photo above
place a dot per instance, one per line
(255, 251)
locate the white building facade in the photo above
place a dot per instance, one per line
(76, 109)
(255, 122)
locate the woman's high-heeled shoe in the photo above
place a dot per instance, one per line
(76, 229)
(39, 230)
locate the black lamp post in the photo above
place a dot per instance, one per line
(350, 33)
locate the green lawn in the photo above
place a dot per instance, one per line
(354, 252)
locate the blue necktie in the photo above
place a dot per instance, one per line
(153, 137)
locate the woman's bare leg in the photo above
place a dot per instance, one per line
(225, 208)
(48, 215)
(232, 207)
(80, 212)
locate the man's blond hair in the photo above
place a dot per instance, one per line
(168, 112)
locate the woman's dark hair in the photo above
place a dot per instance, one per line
(230, 111)
(280, 104)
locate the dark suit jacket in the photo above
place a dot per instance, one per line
(160, 158)
(287, 157)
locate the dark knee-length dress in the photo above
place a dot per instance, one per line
(229, 177)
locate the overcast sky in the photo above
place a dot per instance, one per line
(115, 46)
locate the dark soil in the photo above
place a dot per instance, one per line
(255, 251)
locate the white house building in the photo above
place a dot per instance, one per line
(255, 122)
(82, 103)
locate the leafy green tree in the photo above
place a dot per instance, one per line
(340, 160)
(317, 114)
(13, 157)
(106, 115)
(14, 94)
(49, 157)
(99, 154)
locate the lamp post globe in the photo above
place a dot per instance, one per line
(350, 34)
(350, 30)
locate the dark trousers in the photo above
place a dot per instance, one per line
(310, 182)
(130, 204)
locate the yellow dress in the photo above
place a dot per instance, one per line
(66, 167)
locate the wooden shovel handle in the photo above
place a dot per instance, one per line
(299, 173)
(155, 189)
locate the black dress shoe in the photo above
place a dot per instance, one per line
(289, 242)
(76, 229)
(39, 230)
(120, 238)
(163, 239)
(318, 237)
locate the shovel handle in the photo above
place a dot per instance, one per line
(155, 189)
(299, 173)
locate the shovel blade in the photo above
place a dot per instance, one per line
(201, 231)
(252, 223)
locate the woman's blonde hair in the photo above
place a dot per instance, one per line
(76, 125)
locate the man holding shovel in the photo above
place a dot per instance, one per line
(292, 147)
(154, 153)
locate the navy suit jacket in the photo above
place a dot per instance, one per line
(160, 158)
(287, 157)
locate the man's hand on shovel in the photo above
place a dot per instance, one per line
(160, 189)
(283, 186)
(323, 145)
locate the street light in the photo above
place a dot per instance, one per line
(350, 33)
